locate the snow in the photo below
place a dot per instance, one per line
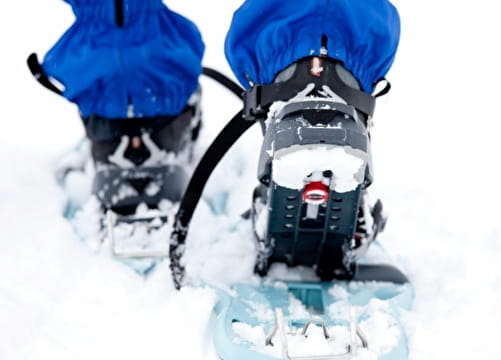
(378, 321)
(435, 150)
(297, 345)
(291, 165)
(360, 311)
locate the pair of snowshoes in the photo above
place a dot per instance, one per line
(311, 209)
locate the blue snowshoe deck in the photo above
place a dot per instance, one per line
(321, 320)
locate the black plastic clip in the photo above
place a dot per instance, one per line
(252, 103)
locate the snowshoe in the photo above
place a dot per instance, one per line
(312, 211)
(311, 207)
(135, 171)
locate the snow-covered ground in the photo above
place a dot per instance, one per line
(436, 154)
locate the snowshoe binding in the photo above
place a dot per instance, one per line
(141, 176)
(311, 207)
(135, 171)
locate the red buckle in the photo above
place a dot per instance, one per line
(315, 193)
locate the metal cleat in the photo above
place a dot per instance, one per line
(351, 348)
(138, 237)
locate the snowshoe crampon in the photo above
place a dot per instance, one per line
(138, 237)
(138, 224)
(312, 321)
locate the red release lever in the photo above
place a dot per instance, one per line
(315, 193)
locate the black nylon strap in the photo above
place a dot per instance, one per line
(258, 98)
(39, 74)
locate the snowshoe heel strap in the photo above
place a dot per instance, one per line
(258, 98)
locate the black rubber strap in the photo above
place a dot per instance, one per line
(39, 74)
(224, 80)
(384, 90)
(219, 147)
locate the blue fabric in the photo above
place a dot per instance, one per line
(268, 35)
(153, 61)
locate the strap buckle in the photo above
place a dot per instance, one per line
(252, 103)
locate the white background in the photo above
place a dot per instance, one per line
(436, 152)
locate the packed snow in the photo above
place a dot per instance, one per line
(290, 165)
(435, 151)
(373, 316)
